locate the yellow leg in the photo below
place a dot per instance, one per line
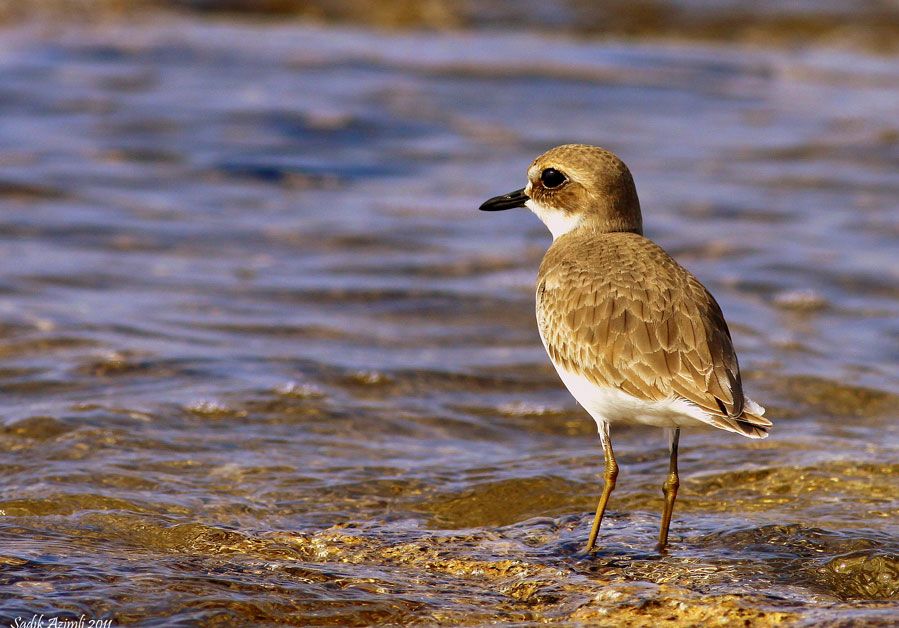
(610, 476)
(669, 488)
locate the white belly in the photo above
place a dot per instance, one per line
(610, 405)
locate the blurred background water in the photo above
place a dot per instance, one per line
(262, 360)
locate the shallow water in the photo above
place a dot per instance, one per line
(263, 361)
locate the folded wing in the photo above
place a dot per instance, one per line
(644, 325)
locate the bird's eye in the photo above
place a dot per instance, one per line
(552, 178)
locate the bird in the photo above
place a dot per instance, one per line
(634, 336)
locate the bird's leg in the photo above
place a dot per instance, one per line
(669, 488)
(610, 476)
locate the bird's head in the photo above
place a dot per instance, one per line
(574, 186)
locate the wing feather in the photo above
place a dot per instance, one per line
(626, 315)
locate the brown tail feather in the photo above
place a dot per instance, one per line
(742, 426)
(747, 424)
(752, 425)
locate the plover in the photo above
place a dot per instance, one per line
(633, 335)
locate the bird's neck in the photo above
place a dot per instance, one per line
(560, 222)
(599, 225)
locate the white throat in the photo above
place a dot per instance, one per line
(558, 222)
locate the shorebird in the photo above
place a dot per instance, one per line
(633, 335)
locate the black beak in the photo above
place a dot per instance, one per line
(507, 201)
